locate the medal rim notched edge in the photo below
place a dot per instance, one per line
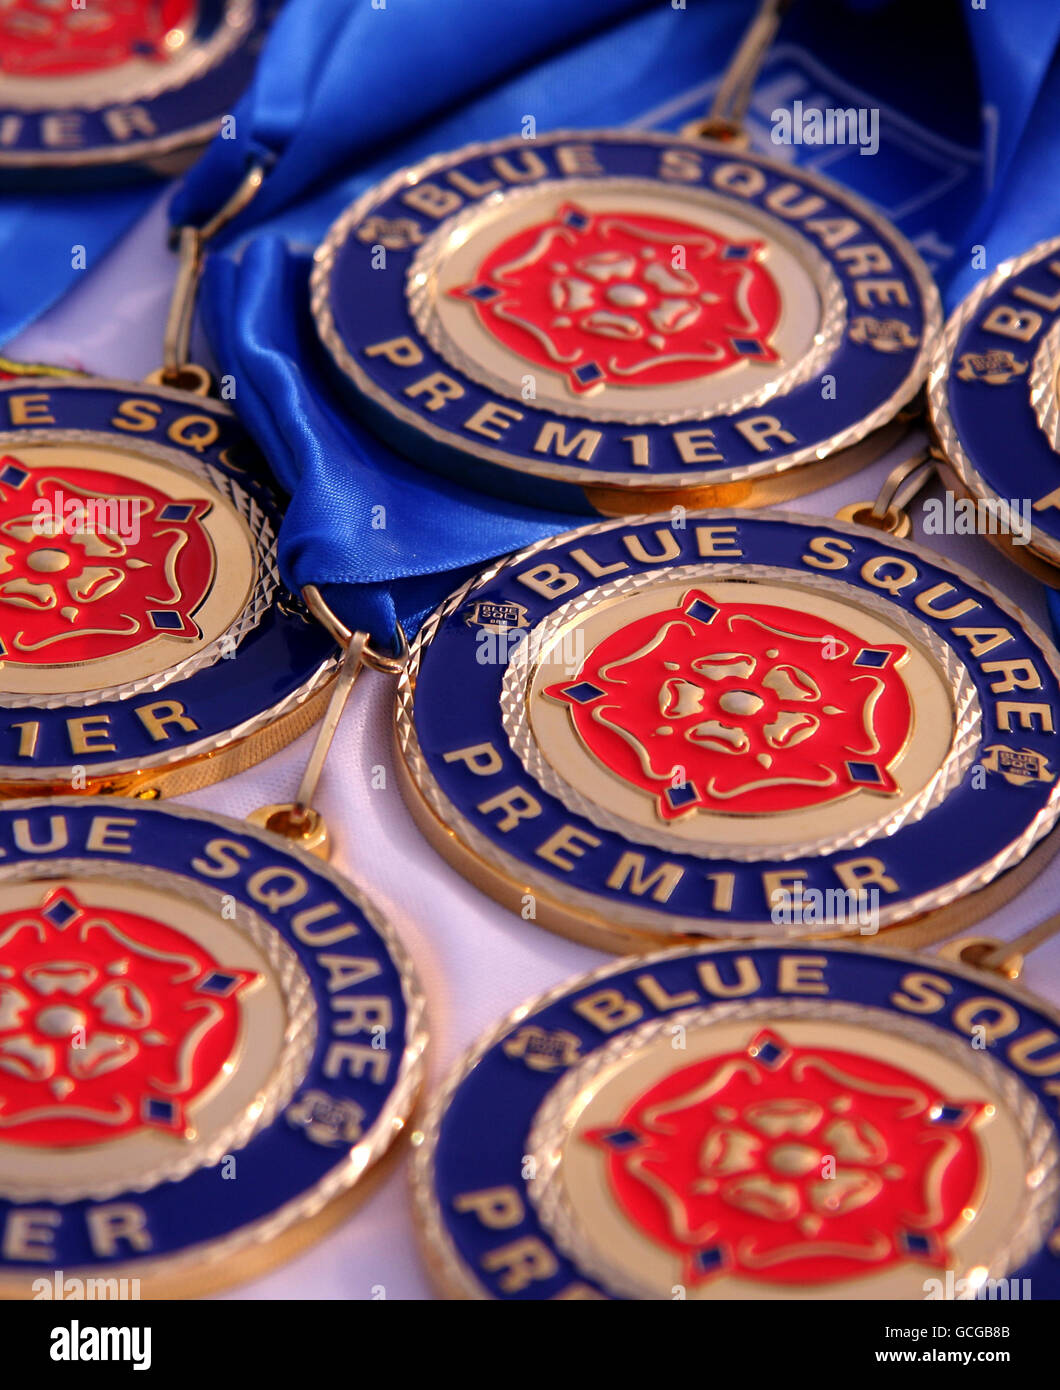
(622, 928)
(452, 1276)
(252, 1250)
(775, 480)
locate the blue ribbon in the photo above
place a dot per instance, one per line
(40, 237)
(365, 524)
(345, 93)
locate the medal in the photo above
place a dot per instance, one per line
(147, 640)
(995, 407)
(118, 84)
(206, 1040)
(619, 321)
(773, 725)
(754, 1122)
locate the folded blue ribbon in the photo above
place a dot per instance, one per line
(370, 528)
(41, 236)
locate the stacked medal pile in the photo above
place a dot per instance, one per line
(780, 763)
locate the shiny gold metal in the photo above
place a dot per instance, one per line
(1004, 958)
(888, 512)
(1023, 944)
(575, 1087)
(278, 1236)
(1040, 556)
(390, 664)
(725, 119)
(301, 825)
(192, 378)
(128, 90)
(892, 522)
(191, 243)
(984, 952)
(203, 766)
(244, 584)
(297, 820)
(723, 131)
(761, 490)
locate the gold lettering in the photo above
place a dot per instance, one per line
(802, 974)
(85, 734)
(156, 719)
(32, 409)
(660, 883)
(568, 840)
(491, 419)
(1025, 715)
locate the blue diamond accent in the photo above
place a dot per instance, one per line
(583, 693)
(163, 621)
(621, 1139)
(769, 1053)
(176, 511)
(706, 1261)
(483, 293)
(946, 1114)
(702, 612)
(865, 774)
(748, 347)
(218, 982)
(590, 372)
(914, 1243)
(154, 1108)
(13, 476)
(61, 912)
(872, 656)
(681, 796)
(736, 253)
(578, 220)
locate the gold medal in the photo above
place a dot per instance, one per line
(737, 725)
(620, 321)
(118, 87)
(207, 1041)
(755, 1122)
(148, 643)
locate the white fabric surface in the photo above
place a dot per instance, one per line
(476, 962)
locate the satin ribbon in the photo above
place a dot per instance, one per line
(346, 93)
(40, 239)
